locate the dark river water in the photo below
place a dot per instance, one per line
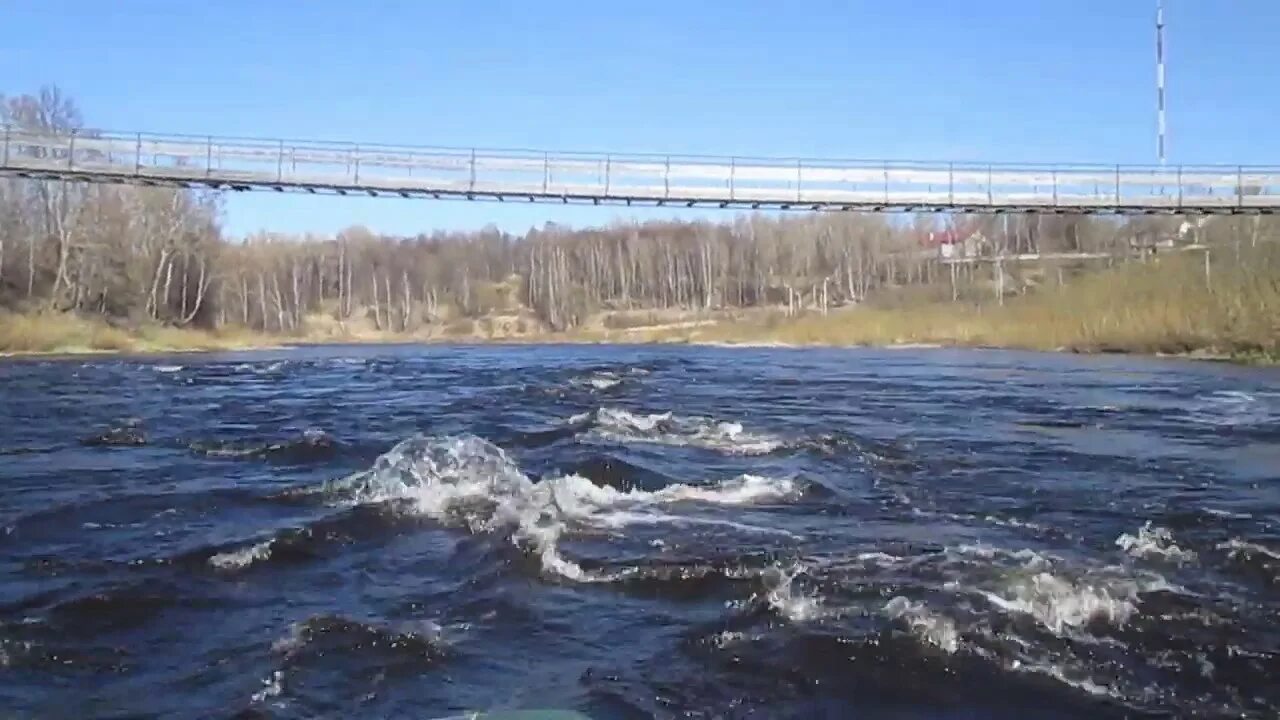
(667, 532)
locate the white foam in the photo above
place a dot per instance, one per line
(1060, 605)
(1228, 514)
(620, 420)
(985, 552)
(271, 687)
(785, 600)
(1029, 559)
(742, 490)
(618, 425)
(1235, 547)
(1015, 523)
(468, 481)
(168, 368)
(880, 558)
(598, 381)
(1059, 673)
(728, 637)
(242, 558)
(290, 643)
(1154, 541)
(934, 629)
(90, 525)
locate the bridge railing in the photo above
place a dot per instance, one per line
(739, 181)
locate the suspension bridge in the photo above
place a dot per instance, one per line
(280, 165)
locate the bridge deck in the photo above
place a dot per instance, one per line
(243, 164)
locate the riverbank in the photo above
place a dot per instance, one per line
(1170, 307)
(58, 333)
(917, 329)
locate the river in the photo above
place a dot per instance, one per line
(634, 532)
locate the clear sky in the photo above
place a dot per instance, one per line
(997, 80)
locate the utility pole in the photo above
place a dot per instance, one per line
(1160, 122)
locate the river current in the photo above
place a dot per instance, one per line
(636, 532)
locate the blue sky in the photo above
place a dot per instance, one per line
(997, 80)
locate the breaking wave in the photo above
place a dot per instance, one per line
(467, 481)
(1237, 548)
(934, 629)
(601, 380)
(271, 687)
(242, 558)
(783, 597)
(618, 425)
(1152, 541)
(1060, 605)
(1254, 558)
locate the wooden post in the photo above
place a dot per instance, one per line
(71, 150)
(137, 156)
(798, 180)
(666, 179)
(955, 291)
(208, 157)
(280, 162)
(546, 172)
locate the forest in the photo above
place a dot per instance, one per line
(134, 256)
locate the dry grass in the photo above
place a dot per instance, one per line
(54, 332)
(1158, 307)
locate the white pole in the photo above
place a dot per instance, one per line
(1160, 121)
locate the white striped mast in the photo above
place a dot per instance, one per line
(1160, 121)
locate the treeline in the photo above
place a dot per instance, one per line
(159, 255)
(113, 250)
